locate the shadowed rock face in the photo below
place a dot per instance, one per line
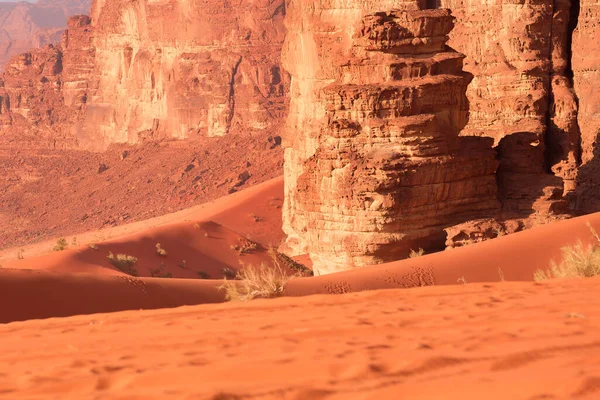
(390, 171)
(151, 70)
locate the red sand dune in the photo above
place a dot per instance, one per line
(515, 257)
(203, 237)
(475, 341)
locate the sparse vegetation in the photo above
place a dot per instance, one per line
(256, 218)
(286, 261)
(160, 272)
(74, 242)
(124, 263)
(196, 225)
(246, 246)
(93, 246)
(415, 254)
(21, 254)
(183, 265)
(61, 244)
(160, 251)
(578, 261)
(228, 273)
(501, 274)
(264, 281)
(203, 275)
(462, 280)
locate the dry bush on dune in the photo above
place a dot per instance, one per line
(415, 254)
(262, 282)
(265, 281)
(61, 244)
(578, 262)
(288, 262)
(160, 251)
(124, 263)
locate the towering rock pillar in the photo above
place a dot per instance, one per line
(375, 165)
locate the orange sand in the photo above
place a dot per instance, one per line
(82, 281)
(476, 341)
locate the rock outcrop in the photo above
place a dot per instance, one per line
(177, 69)
(389, 170)
(521, 96)
(24, 25)
(586, 76)
(148, 70)
(43, 92)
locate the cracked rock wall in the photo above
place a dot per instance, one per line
(380, 169)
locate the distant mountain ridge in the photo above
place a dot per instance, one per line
(26, 25)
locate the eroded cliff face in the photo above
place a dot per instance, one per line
(152, 70)
(320, 35)
(586, 77)
(521, 95)
(182, 68)
(389, 170)
(24, 25)
(529, 59)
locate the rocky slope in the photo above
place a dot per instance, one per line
(25, 25)
(150, 70)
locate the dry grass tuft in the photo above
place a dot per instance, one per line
(246, 246)
(282, 259)
(262, 282)
(124, 263)
(160, 251)
(578, 262)
(415, 254)
(61, 244)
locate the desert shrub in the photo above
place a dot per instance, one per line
(61, 244)
(246, 246)
(160, 272)
(228, 273)
(288, 262)
(183, 264)
(203, 275)
(264, 281)
(578, 261)
(415, 254)
(93, 246)
(124, 263)
(256, 218)
(160, 251)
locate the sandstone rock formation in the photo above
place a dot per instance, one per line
(42, 92)
(152, 70)
(24, 26)
(521, 96)
(389, 170)
(586, 77)
(177, 69)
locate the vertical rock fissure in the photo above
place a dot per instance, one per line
(573, 23)
(549, 149)
(234, 72)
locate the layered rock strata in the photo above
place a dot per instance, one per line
(150, 70)
(178, 69)
(522, 96)
(42, 92)
(27, 25)
(586, 76)
(389, 170)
